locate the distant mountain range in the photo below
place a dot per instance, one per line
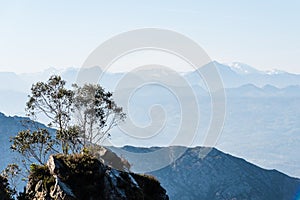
(233, 75)
(262, 122)
(238, 74)
(15, 87)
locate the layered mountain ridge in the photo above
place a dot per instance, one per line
(190, 176)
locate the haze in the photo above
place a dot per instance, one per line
(38, 35)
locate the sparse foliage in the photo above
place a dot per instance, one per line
(72, 137)
(95, 112)
(95, 115)
(11, 173)
(52, 99)
(33, 144)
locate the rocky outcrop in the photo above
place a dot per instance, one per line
(109, 158)
(76, 177)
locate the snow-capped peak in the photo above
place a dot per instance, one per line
(242, 68)
(274, 71)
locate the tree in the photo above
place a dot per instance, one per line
(33, 145)
(11, 173)
(93, 108)
(52, 99)
(95, 112)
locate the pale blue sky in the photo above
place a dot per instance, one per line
(35, 35)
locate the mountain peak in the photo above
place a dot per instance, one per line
(274, 71)
(242, 68)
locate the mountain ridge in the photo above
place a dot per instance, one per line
(220, 176)
(23, 81)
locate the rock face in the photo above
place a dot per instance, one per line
(220, 176)
(79, 176)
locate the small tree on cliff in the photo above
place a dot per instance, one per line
(95, 112)
(54, 101)
(33, 145)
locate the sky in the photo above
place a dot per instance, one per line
(35, 35)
